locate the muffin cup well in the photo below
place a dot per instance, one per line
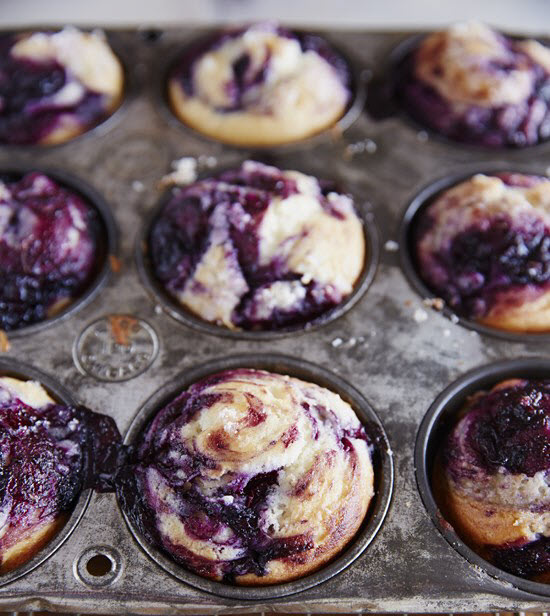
(436, 425)
(179, 312)
(407, 252)
(105, 235)
(359, 80)
(103, 126)
(383, 102)
(19, 370)
(382, 463)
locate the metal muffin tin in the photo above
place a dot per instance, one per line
(389, 346)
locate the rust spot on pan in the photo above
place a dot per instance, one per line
(4, 342)
(115, 263)
(122, 328)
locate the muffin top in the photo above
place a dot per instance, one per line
(260, 85)
(47, 451)
(258, 248)
(48, 248)
(251, 476)
(484, 247)
(476, 85)
(55, 85)
(497, 463)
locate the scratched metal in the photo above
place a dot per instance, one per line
(398, 362)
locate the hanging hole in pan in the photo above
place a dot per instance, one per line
(98, 566)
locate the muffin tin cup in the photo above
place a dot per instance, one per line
(406, 242)
(382, 462)
(439, 420)
(107, 244)
(360, 76)
(176, 310)
(104, 126)
(22, 371)
(384, 97)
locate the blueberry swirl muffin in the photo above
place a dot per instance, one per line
(484, 247)
(472, 84)
(258, 248)
(251, 477)
(49, 452)
(261, 85)
(492, 483)
(56, 85)
(48, 249)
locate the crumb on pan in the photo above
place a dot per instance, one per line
(434, 302)
(184, 171)
(420, 315)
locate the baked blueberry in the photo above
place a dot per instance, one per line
(258, 248)
(260, 85)
(492, 480)
(48, 249)
(484, 247)
(56, 85)
(475, 85)
(250, 477)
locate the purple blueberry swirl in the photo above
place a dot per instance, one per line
(258, 248)
(474, 85)
(49, 239)
(507, 428)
